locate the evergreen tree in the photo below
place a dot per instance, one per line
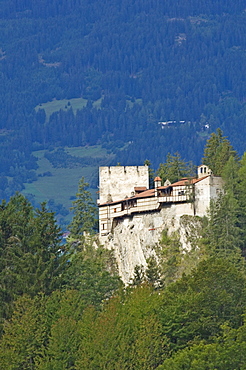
(195, 307)
(217, 152)
(93, 274)
(230, 175)
(139, 275)
(25, 335)
(174, 168)
(50, 258)
(31, 256)
(223, 233)
(84, 210)
(153, 273)
(241, 196)
(170, 257)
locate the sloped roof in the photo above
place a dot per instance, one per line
(144, 194)
(187, 180)
(140, 188)
(151, 192)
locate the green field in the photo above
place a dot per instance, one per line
(63, 182)
(76, 103)
(60, 186)
(87, 151)
(65, 104)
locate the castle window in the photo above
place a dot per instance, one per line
(205, 169)
(115, 210)
(201, 169)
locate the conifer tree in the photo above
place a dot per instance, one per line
(223, 232)
(174, 168)
(84, 209)
(153, 273)
(31, 259)
(217, 152)
(50, 258)
(241, 197)
(230, 175)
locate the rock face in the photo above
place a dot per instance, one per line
(135, 238)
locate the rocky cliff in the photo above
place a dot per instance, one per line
(136, 238)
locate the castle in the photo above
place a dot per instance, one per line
(132, 216)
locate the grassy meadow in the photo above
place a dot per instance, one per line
(65, 104)
(62, 183)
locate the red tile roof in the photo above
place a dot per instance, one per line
(151, 192)
(187, 181)
(140, 188)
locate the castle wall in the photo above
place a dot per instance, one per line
(118, 182)
(135, 238)
(205, 191)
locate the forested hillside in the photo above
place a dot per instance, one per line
(133, 63)
(63, 305)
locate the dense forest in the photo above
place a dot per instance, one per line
(63, 305)
(136, 64)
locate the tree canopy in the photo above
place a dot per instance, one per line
(217, 153)
(64, 307)
(84, 209)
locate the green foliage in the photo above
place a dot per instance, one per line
(197, 318)
(130, 333)
(217, 152)
(231, 175)
(174, 168)
(93, 274)
(170, 257)
(25, 335)
(226, 353)
(223, 232)
(32, 259)
(195, 307)
(84, 209)
(241, 199)
(153, 273)
(43, 332)
(68, 54)
(60, 158)
(45, 187)
(139, 275)
(55, 105)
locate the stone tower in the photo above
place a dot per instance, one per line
(119, 182)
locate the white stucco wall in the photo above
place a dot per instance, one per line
(119, 181)
(206, 190)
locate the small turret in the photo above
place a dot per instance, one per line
(203, 170)
(167, 183)
(157, 182)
